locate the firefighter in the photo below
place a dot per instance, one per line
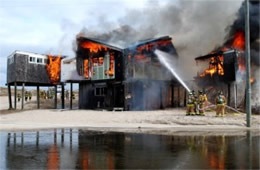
(220, 102)
(195, 102)
(73, 95)
(26, 95)
(201, 102)
(67, 94)
(19, 97)
(190, 104)
(30, 95)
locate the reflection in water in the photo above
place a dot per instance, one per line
(79, 149)
(53, 157)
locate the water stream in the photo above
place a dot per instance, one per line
(165, 60)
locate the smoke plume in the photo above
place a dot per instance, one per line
(196, 27)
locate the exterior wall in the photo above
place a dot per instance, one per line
(20, 70)
(148, 95)
(106, 95)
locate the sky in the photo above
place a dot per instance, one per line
(51, 26)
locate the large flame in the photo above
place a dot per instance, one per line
(239, 41)
(216, 63)
(93, 47)
(215, 67)
(53, 68)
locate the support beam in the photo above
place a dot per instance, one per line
(10, 96)
(179, 103)
(38, 97)
(173, 95)
(229, 97)
(71, 93)
(235, 95)
(15, 94)
(22, 96)
(184, 100)
(62, 97)
(55, 97)
(248, 67)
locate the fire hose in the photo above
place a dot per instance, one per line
(213, 105)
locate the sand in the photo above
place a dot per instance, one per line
(169, 119)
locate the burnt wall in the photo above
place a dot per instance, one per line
(148, 95)
(23, 71)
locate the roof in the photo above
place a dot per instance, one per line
(147, 41)
(99, 42)
(214, 54)
(32, 54)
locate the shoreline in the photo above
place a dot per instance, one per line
(127, 121)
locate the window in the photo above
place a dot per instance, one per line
(101, 91)
(39, 60)
(45, 61)
(31, 59)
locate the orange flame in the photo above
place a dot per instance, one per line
(53, 68)
(149, 46)
(215, 67)
(252, 80)
(86, 68)
(93, 47)
(110, 72)
(239, 41)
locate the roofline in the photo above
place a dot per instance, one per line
(99, 42)
(215, 54)
(148, 41)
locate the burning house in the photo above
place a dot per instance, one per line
(32, 69)
(131, 79)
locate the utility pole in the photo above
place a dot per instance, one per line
(248, 83)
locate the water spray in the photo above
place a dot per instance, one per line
(162, 56)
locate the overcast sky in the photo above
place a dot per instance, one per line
(50, 26)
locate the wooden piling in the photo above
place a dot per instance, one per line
(185, 94)
(229, 98)
(71, 93)
(38, 97)
(22, 96)
(62, 97)
(10, 96)
(55, 97)
(172, 95)
(179, 103)
(15, 94)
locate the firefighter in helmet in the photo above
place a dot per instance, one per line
(26, 95)
(19, 97)
(201, 102)
(220, 102)
(195, 102)
(190, 104)
(30, 95)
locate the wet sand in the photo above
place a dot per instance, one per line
(158, 120)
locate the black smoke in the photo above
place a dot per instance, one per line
(254, 22)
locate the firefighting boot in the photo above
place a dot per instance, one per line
(202, 114)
